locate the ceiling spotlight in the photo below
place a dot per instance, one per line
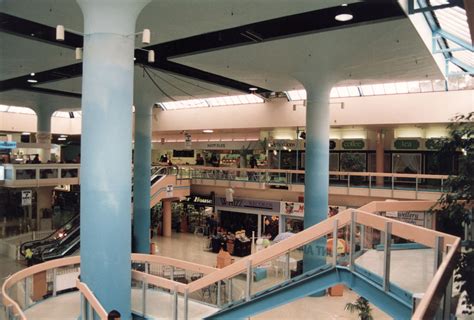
(208, 131)
(146, 36)
(253, 89)
(60, 32)
(32, 74)
(25, 133)
(32, 80)
(78, 53)
(61, 138)
(151, 56)
(344, 13)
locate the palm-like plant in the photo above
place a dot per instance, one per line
(361, 306)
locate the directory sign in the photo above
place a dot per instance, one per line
(26, 196)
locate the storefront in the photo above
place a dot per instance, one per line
(252, 215)
(198, 211)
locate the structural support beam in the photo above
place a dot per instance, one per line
(106, 150)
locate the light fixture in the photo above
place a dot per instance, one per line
(253, 89)
(151, 56)
(32, 74)
(60, 32)
(344, 13)
(146, 36)
(61, 139)
(208, 131)
(285, 148)
(63, 136)
(25, 133)
(275, 152)
(78, 53)
(32, 80)
(289, 150)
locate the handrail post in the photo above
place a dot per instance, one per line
(172, 273)
(83, 307)
(370, 184)
(348, 182)
(175, 303)
(229, 295)
(54, 281)
(362, 237)
(393, 184)
(27, 291)
(416, 188)
(218, 297)
(386, 257)
(90, 312)
(334, 242)
(447, 299)
(438, 254)
(186, 302)
(249, 280)
(144, 289)
(352, 240)
(287, 269)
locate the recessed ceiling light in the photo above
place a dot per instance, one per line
(344, 14)
(253, 89)
(208, 131)
(32, 74)
(25, 133)
(32, 80)
(63, 136)
(61, 139)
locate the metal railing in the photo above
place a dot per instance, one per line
(219, 287)
(289, 178)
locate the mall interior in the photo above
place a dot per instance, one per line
(232, 159)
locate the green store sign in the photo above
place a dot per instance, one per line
(407, 144)
(353, 144)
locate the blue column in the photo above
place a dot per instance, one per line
(141, 179)
(106, 149)
(316, 169)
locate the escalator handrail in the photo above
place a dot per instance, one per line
(40, 241)
(74, 234)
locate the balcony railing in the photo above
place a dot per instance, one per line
(295, 178)
(48, 174)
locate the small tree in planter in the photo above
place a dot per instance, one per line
(455, 206)
(361, 306)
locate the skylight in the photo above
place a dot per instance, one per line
(212, 102)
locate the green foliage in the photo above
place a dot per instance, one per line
(361, 306)
(353, 162)
(455, 207)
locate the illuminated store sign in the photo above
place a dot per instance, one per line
(7, 144)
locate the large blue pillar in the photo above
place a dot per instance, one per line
(106, 149)
(316, 168)
(141, 179)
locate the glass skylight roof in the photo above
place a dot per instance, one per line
(455, 83)
(212, 102)
(453, 21)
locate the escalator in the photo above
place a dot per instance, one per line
(66, 239)
(62, 239)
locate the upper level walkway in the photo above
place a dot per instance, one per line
(364, 184)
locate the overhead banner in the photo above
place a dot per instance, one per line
(295, 209)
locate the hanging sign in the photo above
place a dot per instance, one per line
(7, 144)
(295, 209)
(187, 141)
(169, 190)
(26, 196)
(406, 144)
(358, 144)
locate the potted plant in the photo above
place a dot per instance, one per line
(361, 306)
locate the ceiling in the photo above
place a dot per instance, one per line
(203, 48)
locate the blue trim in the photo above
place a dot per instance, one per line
(397, 302)
(402, 246)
